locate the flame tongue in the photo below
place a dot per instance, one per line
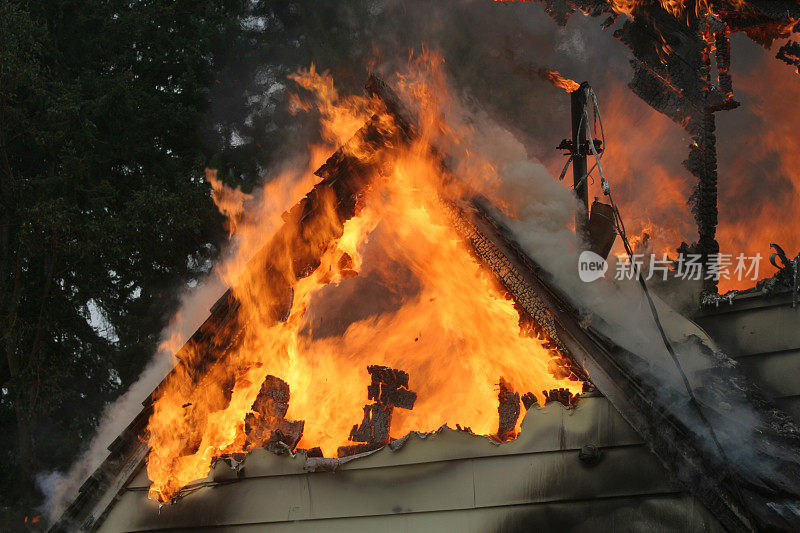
(366, 270)
(554, 77)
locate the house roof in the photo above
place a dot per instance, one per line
(753, 487)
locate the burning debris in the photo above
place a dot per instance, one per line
(789, 53)
(266, 424)
(508, 412)
(389, 389)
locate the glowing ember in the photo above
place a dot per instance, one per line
(366, 271)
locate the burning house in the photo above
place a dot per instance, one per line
(397, 352)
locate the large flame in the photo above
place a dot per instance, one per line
(395, 286)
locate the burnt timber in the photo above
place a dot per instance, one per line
(389, 389)
(738, 500)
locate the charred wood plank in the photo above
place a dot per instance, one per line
(355, 449)
(374, 427)
(789, 53)
(563, 396)
(528, 400)
(508, 412)
(272, 399)
(284, 438)
(314, 452)
(390, 387)
(266, 426)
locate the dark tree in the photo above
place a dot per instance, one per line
(109, 112)
(104, 211)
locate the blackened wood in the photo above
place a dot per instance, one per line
(563, 396)
(285, 436)
(314, 452)
(508, 412)
(375, 425)
(389, 376)
(390, 387)
(273, 398)
(266, 425)
(528, 400)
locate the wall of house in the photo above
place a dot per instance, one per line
(447, 481)
(763, 334)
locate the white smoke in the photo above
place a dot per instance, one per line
(60, 488)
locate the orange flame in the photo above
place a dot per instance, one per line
(760, 188)
(676, 8)
(229, 201)
(554, 77)
(651, 187)
(394, 286)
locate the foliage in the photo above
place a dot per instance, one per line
(109, 112)
(104, 212)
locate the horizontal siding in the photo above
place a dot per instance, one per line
(417, 488)
(441, 472)
(754, 331)
(549, 428)
(763, 335)
(777, 373)
(656, 513)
